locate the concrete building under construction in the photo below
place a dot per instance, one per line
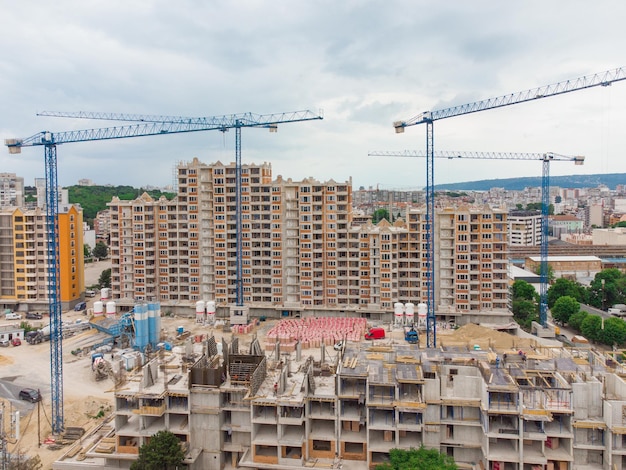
(490, 407)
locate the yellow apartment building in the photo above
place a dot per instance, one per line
(24, 257)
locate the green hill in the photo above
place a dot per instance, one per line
(95, 198)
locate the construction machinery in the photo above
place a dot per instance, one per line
(50, 141)
(545, 158)
(101, 367)
(429, 117)
(411, 336)
(222, 123)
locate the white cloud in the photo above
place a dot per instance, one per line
(366, 63)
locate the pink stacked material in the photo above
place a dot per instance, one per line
(242, 329)
(312, 332)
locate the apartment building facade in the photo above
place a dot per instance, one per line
(524, 228)
(24, 261)
(11, 190)
(300, 250)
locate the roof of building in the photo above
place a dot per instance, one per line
(571, 259)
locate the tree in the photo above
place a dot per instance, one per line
(418, 459)
(614, 332)
(100, 251)
(86, 251)
(162, 452)
(105, 278)
(550, 272)
(591, 328)
(525, 312)
(379, 215)
(576, 320)
(610, 292)
(564, 308)
(522, 290)
(564, 287)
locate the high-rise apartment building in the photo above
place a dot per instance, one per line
(524, 228)
(11, 190)
(24, 264)
(299, 248)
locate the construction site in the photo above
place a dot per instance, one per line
(310, 391)
(489, 399)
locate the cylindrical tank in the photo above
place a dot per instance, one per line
(200, 311)
(111, 308)
(157, 320)
(105, 293)
(154, 332)
(210, 311)
(98, 308)
(398, 312)
(141, 326)
(422, 310)
(409, 312)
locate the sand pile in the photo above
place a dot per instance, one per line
(471, 334)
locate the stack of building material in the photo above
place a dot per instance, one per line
(106, 446)
(312, 332)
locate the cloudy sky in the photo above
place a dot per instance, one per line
(363, 63)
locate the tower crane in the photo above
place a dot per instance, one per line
(49, 141)
(429, 117)
(222, 123)
(545, 158)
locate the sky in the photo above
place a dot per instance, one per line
(362, 64)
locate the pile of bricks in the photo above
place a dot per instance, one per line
(312, 332)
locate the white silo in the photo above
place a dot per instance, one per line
(409, 313)
(422, 312)
(398, 313)
(210, 312)
(105, 293)
(200, 311)
(98, 308)
(111, 308)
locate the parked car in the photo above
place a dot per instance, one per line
(90, 293)
(34, 316)
(12, 316)
(80, 306)
(4, 343)
(30, 394)
(16, 342)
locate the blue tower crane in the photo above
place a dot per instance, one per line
(429, 117)
(49, 141)
(545, 158)
(223, 123)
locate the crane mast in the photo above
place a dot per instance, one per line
(148, 127)
(429, 117)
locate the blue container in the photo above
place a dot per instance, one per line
(180, 330)
(141, 326)
(154, 319)
(153, 332)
